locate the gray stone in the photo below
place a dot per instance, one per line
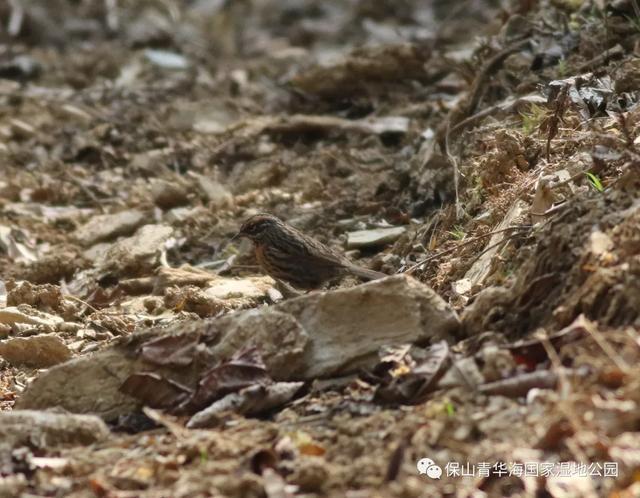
(109, 226)
(213, 191)
(167, 195)
(139, 253)
(166, 59)
(44, 430)
(346, 327)
(374, 237)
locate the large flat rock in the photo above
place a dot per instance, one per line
(346, 327)
(321, 334)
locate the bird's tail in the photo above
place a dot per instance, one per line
(365, 273)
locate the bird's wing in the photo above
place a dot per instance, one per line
(322, 254)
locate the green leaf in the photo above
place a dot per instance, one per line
(450, 409)
(595, 181)
(457, 232)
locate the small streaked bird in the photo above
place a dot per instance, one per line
(287, 254)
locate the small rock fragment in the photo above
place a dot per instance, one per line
(167, 195)
(310, 474)
(374, 237)
(147, 161)
(26, 314)
(192, 299)
(180, 215)
(166, 59)
(109, 226)
(179, 277)
(213, 191)
(13, 485)
(60, 263)
(139, 253)
(235, 288)
(599, 243)
(21, 129)
(17, 251)
(46, 297)
(46, 429)
(462, 287)
(38, 351)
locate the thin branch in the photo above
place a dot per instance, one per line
(463, 244)
(497, 244)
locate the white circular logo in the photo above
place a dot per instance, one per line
(429, 467)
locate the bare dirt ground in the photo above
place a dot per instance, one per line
(487, 149)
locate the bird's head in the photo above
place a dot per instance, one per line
(257, 226)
